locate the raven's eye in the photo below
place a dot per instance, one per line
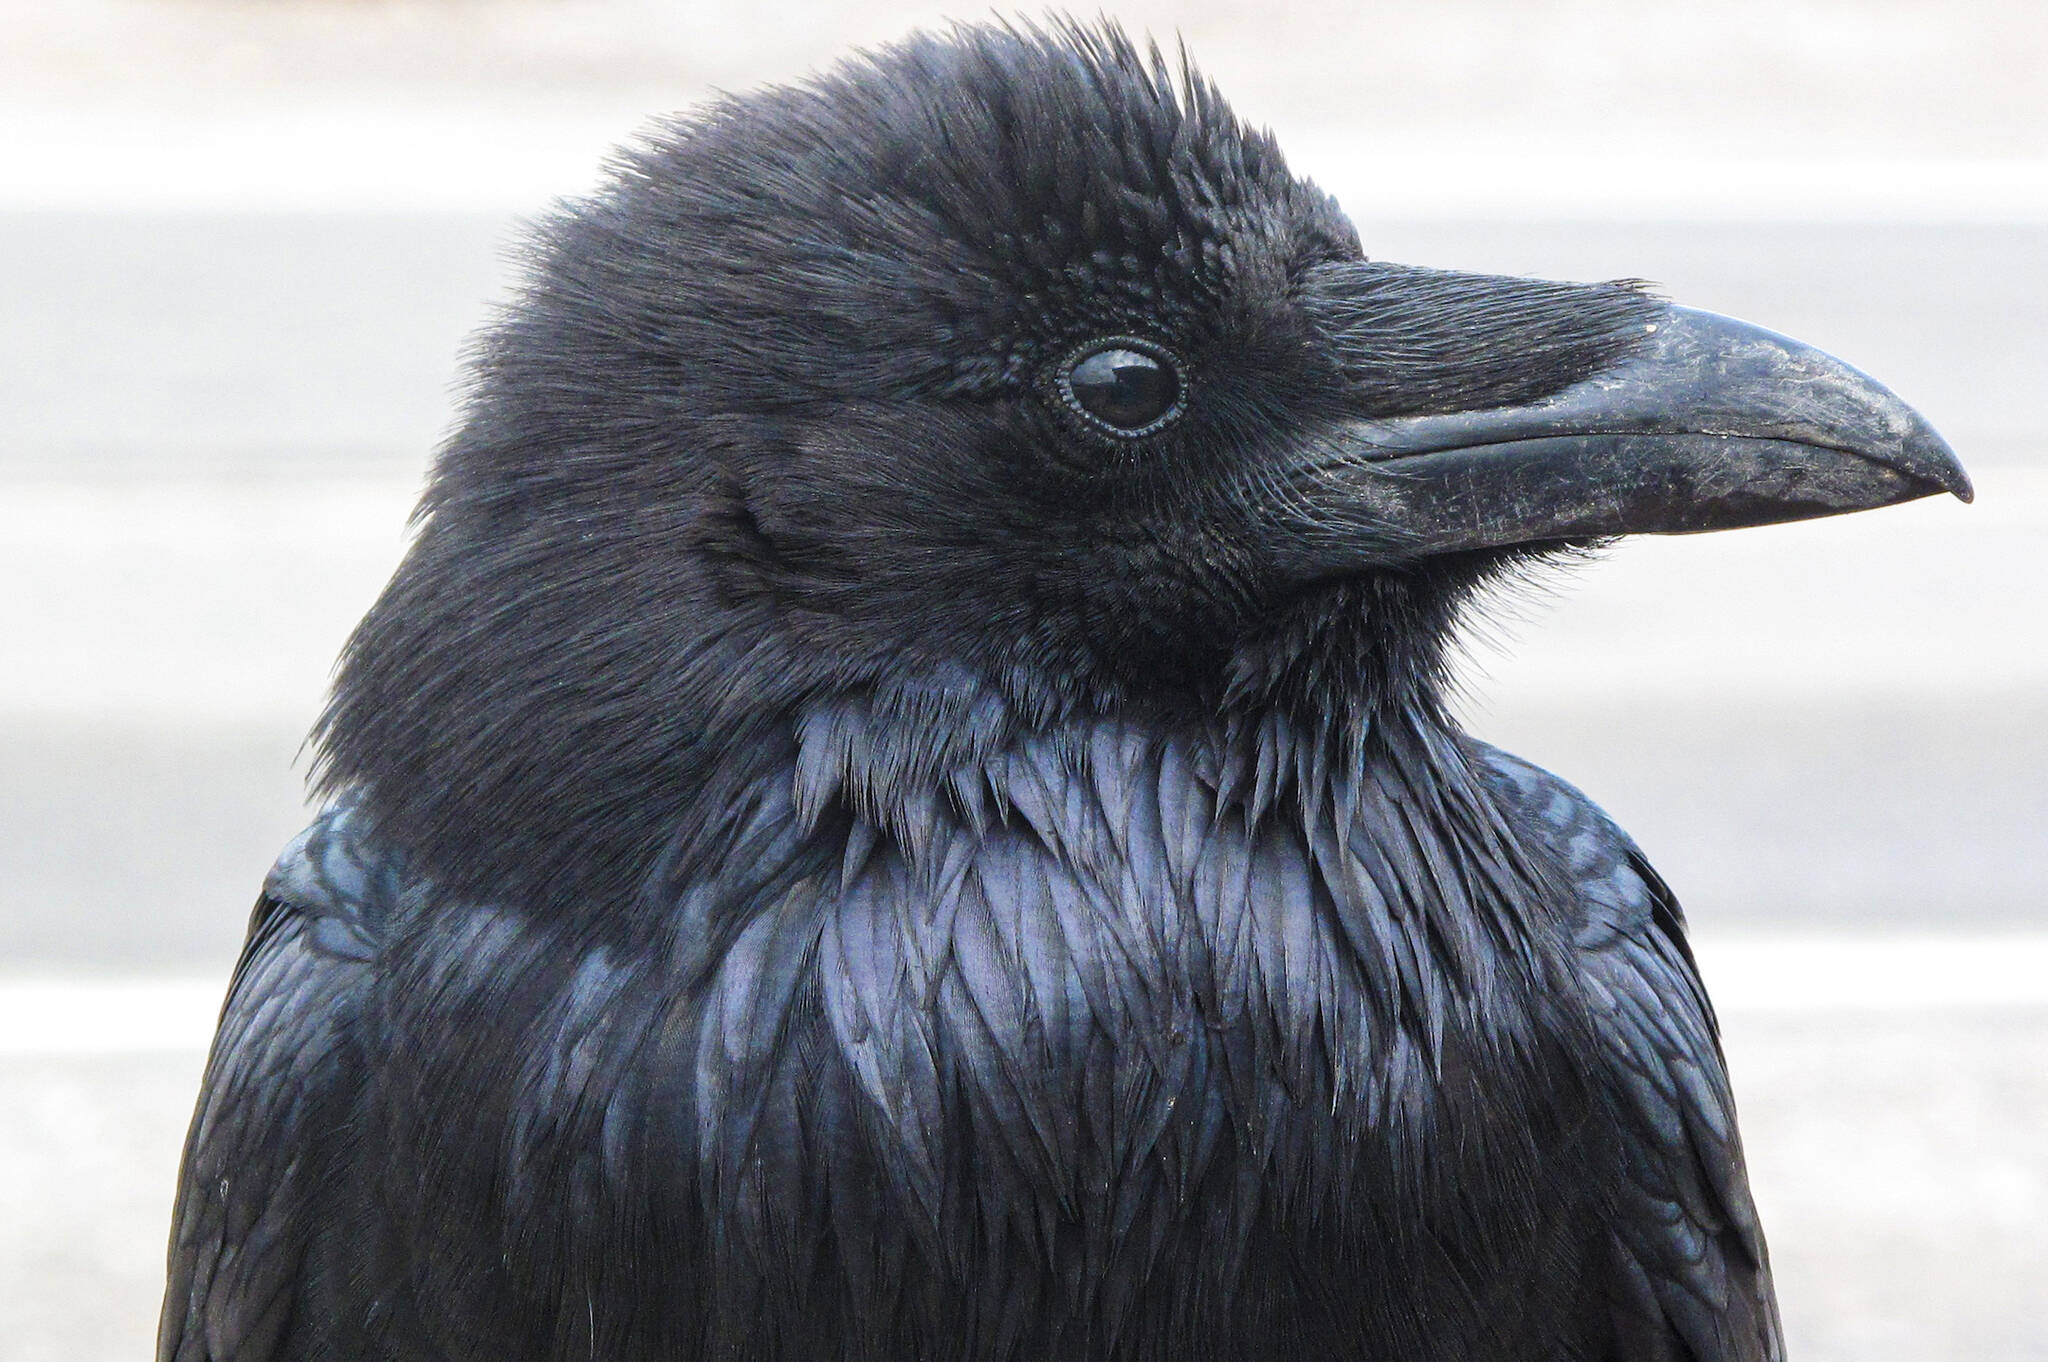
(1122, 386)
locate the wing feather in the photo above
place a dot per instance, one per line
(286, 1070)
(1692, 1277)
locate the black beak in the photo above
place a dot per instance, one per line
(1710, 424)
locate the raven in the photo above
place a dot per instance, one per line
(900, 804)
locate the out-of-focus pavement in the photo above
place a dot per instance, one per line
(223, 422)
(242, 244)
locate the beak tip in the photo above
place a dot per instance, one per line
(1930, 458)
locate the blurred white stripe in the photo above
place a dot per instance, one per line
(1909, 972)
(56, 1018)
(1451, 183)
(1805, 974)
(423, 155)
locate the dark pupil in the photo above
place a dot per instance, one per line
(1123, 388)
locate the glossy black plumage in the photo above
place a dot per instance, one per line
(1421, 1088)
(830, 858)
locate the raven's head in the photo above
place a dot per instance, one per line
(993, 378)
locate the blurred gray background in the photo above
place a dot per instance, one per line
(242, 242)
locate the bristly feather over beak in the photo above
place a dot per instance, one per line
(1693, 422)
